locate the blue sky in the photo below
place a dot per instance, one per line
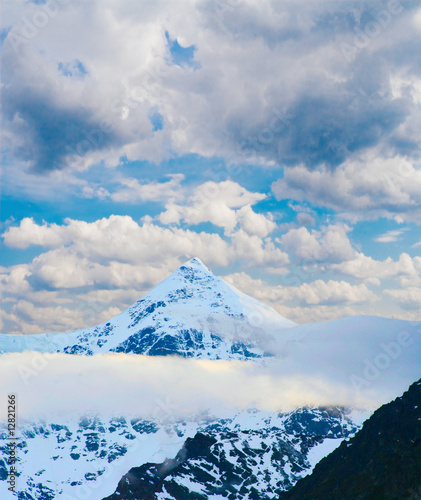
(277, 141)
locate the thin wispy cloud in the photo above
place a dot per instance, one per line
(389, 236)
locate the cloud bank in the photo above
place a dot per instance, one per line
(113, 384)
(357, 362)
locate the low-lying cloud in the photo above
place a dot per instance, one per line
(170, 387)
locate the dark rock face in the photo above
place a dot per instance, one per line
(140, 483)
(381, 462)
(185, 343)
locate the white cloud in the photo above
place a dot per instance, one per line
(225, 204)
(91, 265)
(237, 102)
(302, 243)
(389, 236)
(367, 188)
(317, 292)
(409, 297)
(121, 240)
(77, 385)
(330, 244)
(41, 312)
(254, 249)
(31, 319)
(333, 292)
(28, 233)
(64, 268)
(255, 224)
(14, 279)
(305, 219)
(230, 101)
(119, 297)
(135, 192)
(117, 238)
(117, 253)
(406, 269)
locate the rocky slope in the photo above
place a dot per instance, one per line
(382, 461)
(254, 459)
(248, 455)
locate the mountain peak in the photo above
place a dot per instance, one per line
(192, 313)
(196, 264)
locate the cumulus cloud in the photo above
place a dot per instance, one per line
(282, 87)
(225, 204)
(99, 268)
(330, 244)
(317, 292)
(406, 269)
(14, 278)
(409, 298)
(114, 253)
(256, 224)
(266, 82)
(370, 187)
(254, 249)
(34, 319)
(121, 240)
(117, 238)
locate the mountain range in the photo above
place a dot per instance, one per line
(250, 453)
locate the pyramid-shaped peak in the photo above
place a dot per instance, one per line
(196, 264)
(192, 313)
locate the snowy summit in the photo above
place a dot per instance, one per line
(192, 313)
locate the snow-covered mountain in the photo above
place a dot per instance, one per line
(248, 454)
(192, 313)
(251, 454)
